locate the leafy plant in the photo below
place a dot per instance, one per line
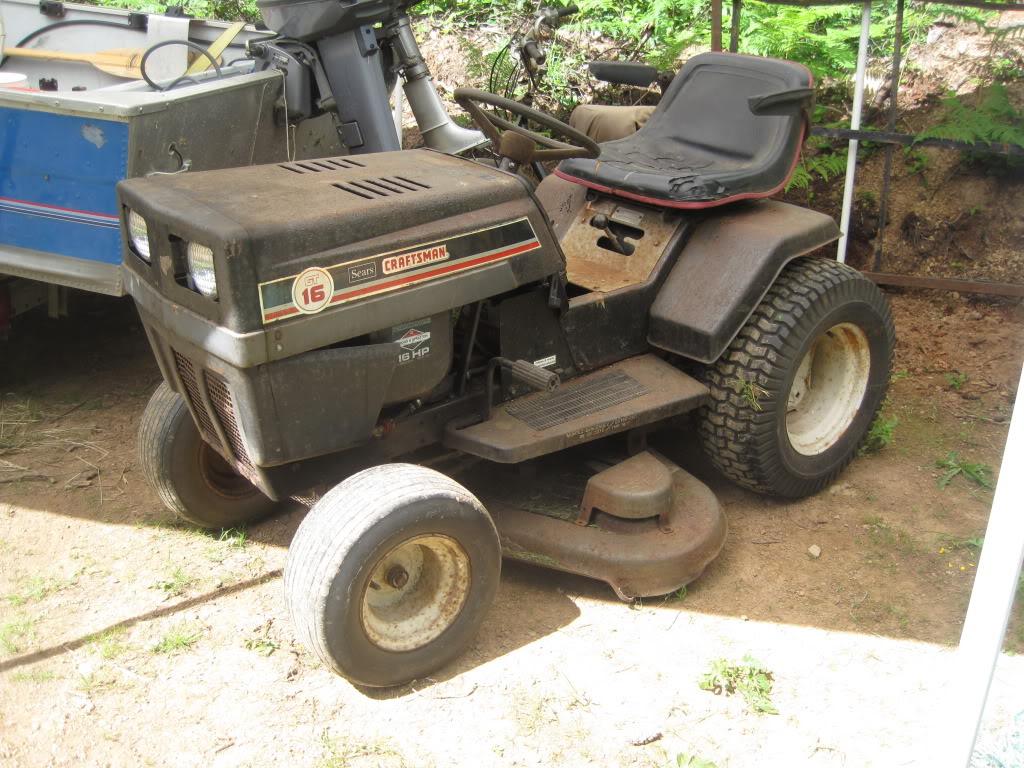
(880, 435)
(749, 677)
(956, 380)
(262, 645)
(953, 465)
(823, 165)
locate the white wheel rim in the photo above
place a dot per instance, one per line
(415, 593)
(828, 389)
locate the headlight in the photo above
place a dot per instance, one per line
(200, 269)
(138, 235)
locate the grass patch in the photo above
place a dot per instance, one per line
(953, 465)
(337, 752)
(887, 539)
(34, 676)
(97, 682)
(15, 634)
(177, 582)
(178, 640)
(110, 644)
(36, 588)
(748, 677)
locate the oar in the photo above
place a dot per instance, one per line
(120, 62)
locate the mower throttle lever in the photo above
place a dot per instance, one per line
(600, 221)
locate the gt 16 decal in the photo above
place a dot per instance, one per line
(416, 258)
(312, 290)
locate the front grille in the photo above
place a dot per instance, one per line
(220, 396)
(187, 373)
(383, 186)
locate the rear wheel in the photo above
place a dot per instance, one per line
(191, 478)
(391, 574)
(795, 393)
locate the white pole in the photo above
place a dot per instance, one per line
(858, 103)
(992, 596)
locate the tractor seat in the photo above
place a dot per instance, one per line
(728, 128)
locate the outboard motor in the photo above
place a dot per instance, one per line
(336, 58)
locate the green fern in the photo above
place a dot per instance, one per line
(994, 119)
(825, 165)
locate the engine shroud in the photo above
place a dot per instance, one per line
(337, 284)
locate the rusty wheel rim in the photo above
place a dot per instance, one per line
(415, 592)
(220, 477)
(828, 389)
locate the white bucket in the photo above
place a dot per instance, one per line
(13, 80)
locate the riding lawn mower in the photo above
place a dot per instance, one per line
(326, 328)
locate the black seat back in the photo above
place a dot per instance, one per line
(728, 127)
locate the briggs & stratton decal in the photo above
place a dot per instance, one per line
(362, 278)
(413, 340)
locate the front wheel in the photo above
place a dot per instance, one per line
(191, 478)
(391, 574)
(796, 392)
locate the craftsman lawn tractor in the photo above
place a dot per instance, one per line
(315, 322)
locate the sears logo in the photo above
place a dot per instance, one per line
(362, 272)
(406, 261)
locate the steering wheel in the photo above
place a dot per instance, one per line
(470, 99)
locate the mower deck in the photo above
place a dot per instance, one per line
(539, 520)
(633, 393)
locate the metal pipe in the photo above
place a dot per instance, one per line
(716, 25)
(894, 90)
(398, 96)
(464, 376)
(858, 104)
(991, 598)
(734, 27)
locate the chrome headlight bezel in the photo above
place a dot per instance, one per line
(138, 235)
(202, 270)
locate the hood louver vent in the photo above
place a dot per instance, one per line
(317, 166)
(385, 186)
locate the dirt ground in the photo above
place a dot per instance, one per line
(129, 640)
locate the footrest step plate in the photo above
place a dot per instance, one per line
(623, 396)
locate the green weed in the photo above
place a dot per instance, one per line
(34, 676)
(693, 761)
(14, 634)
(749, 677)
(956, 380)
(880, 435)
(953, 465)
(898, 375)
(36, 588)
(340, 752)
(97, 682)
(177, 583)
(110, 644)
(262, 645)
(748, 390)
(180, 638)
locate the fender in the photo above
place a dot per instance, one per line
(724, 271)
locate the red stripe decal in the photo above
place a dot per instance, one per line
(281, 313)
(460, 265)
(58, 208)
(380, 287)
